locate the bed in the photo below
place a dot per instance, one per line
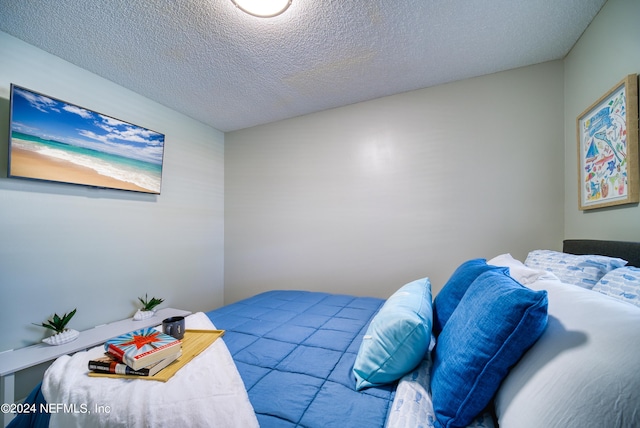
(313, 359)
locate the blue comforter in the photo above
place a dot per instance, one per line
(295, 351)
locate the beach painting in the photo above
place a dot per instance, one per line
(608, 148)
(57, 141)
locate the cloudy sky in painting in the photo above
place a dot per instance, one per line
(51, 119)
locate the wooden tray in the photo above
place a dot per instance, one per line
(193, 343)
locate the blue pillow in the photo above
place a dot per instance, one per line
(397, 338)
(451, 294)
(497, 320)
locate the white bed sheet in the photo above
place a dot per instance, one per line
(206, 392)
(583, 371)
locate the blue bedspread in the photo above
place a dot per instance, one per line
(295, 351)
(36, 419)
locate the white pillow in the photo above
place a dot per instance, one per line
(622, 283)
(518, 271)
(582, 372)
(584, 271)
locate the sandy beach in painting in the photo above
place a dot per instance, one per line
(60, 142)
(25, 163)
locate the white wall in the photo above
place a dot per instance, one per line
(607, 51)
(364, 198)
(64, 247)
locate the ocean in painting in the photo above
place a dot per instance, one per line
(144, 174)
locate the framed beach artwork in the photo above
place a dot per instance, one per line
(608, 148)
(57, 141)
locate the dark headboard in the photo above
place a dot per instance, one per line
(629, 251)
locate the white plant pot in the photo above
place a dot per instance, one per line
(63, 337)
(143, 315)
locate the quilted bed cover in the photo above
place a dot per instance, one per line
(295, 352)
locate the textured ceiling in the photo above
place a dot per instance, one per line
(211, 61)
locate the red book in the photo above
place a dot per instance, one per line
(143, 347)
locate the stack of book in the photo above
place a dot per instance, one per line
(142, 352)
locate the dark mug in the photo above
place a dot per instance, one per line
(174, 326)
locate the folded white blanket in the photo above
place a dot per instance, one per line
(206, 392)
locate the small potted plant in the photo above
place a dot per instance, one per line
(148, 307)
(59, 325)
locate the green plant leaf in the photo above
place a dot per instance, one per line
(148, 305)
(44, 325)
(58, 324)
(67, 317)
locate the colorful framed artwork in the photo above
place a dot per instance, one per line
(608, 148)
(56, 141)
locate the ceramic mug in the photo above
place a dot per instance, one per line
(174, 326)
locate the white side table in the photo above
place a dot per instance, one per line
(13, 361)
